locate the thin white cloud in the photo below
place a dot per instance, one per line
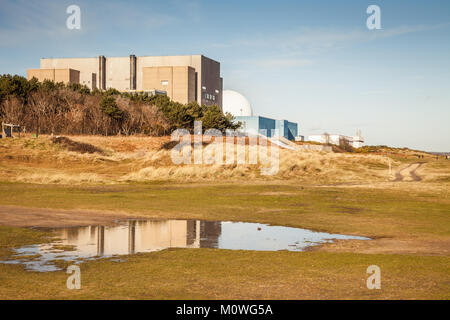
(316, 40)
(281, 63)
(300, 48)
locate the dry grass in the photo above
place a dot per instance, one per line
(76, 146)
(300, 165)
(125, 159)
(436, 171)
(52, 178)
(123, 144)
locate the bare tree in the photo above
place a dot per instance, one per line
(38, 103)
(13, 111)
(63, 110)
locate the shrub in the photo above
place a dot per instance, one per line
(109, 107)
(59, 108)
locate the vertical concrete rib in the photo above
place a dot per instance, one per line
(132, 72)
(102, 72)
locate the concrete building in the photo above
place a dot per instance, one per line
(183, 78)
(236, 104)
(287, 129)
(57, 75)
(282, 128)
(254, 124)
(337, 139)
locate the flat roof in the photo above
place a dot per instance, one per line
(181, 55)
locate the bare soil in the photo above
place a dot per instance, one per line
(15, 216)
(409, 173)
(423, 247)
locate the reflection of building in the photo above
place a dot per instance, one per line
(141, 236)
(183, 78)
(209, 234)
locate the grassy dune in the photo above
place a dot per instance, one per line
(140, 159)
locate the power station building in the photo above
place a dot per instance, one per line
(356, 141)
(183, 78)
(236, 104)
(255, 124)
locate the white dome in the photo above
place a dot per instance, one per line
(236, 104)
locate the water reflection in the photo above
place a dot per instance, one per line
(136, 236)
(141, 236)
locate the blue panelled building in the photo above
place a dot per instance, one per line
(254, 125)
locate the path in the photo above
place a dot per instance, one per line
(409, 173)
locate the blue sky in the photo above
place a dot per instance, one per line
(312, 62)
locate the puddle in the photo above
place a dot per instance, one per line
(134, 236)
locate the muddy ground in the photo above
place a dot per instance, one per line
(15, 216)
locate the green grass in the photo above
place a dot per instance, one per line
(11, 238)
(371, 212)
(225, 274)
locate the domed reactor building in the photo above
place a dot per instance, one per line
(236, 104)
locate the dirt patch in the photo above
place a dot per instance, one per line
(76, 146)
(36, 217)
(388, 246)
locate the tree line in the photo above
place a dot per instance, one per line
(57, 108)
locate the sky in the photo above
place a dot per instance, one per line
(311, 62)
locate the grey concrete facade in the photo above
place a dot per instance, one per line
(127, 74)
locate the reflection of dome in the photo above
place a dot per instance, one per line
(236, 104)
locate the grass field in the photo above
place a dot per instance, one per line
(223, 274)
(408, 222)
